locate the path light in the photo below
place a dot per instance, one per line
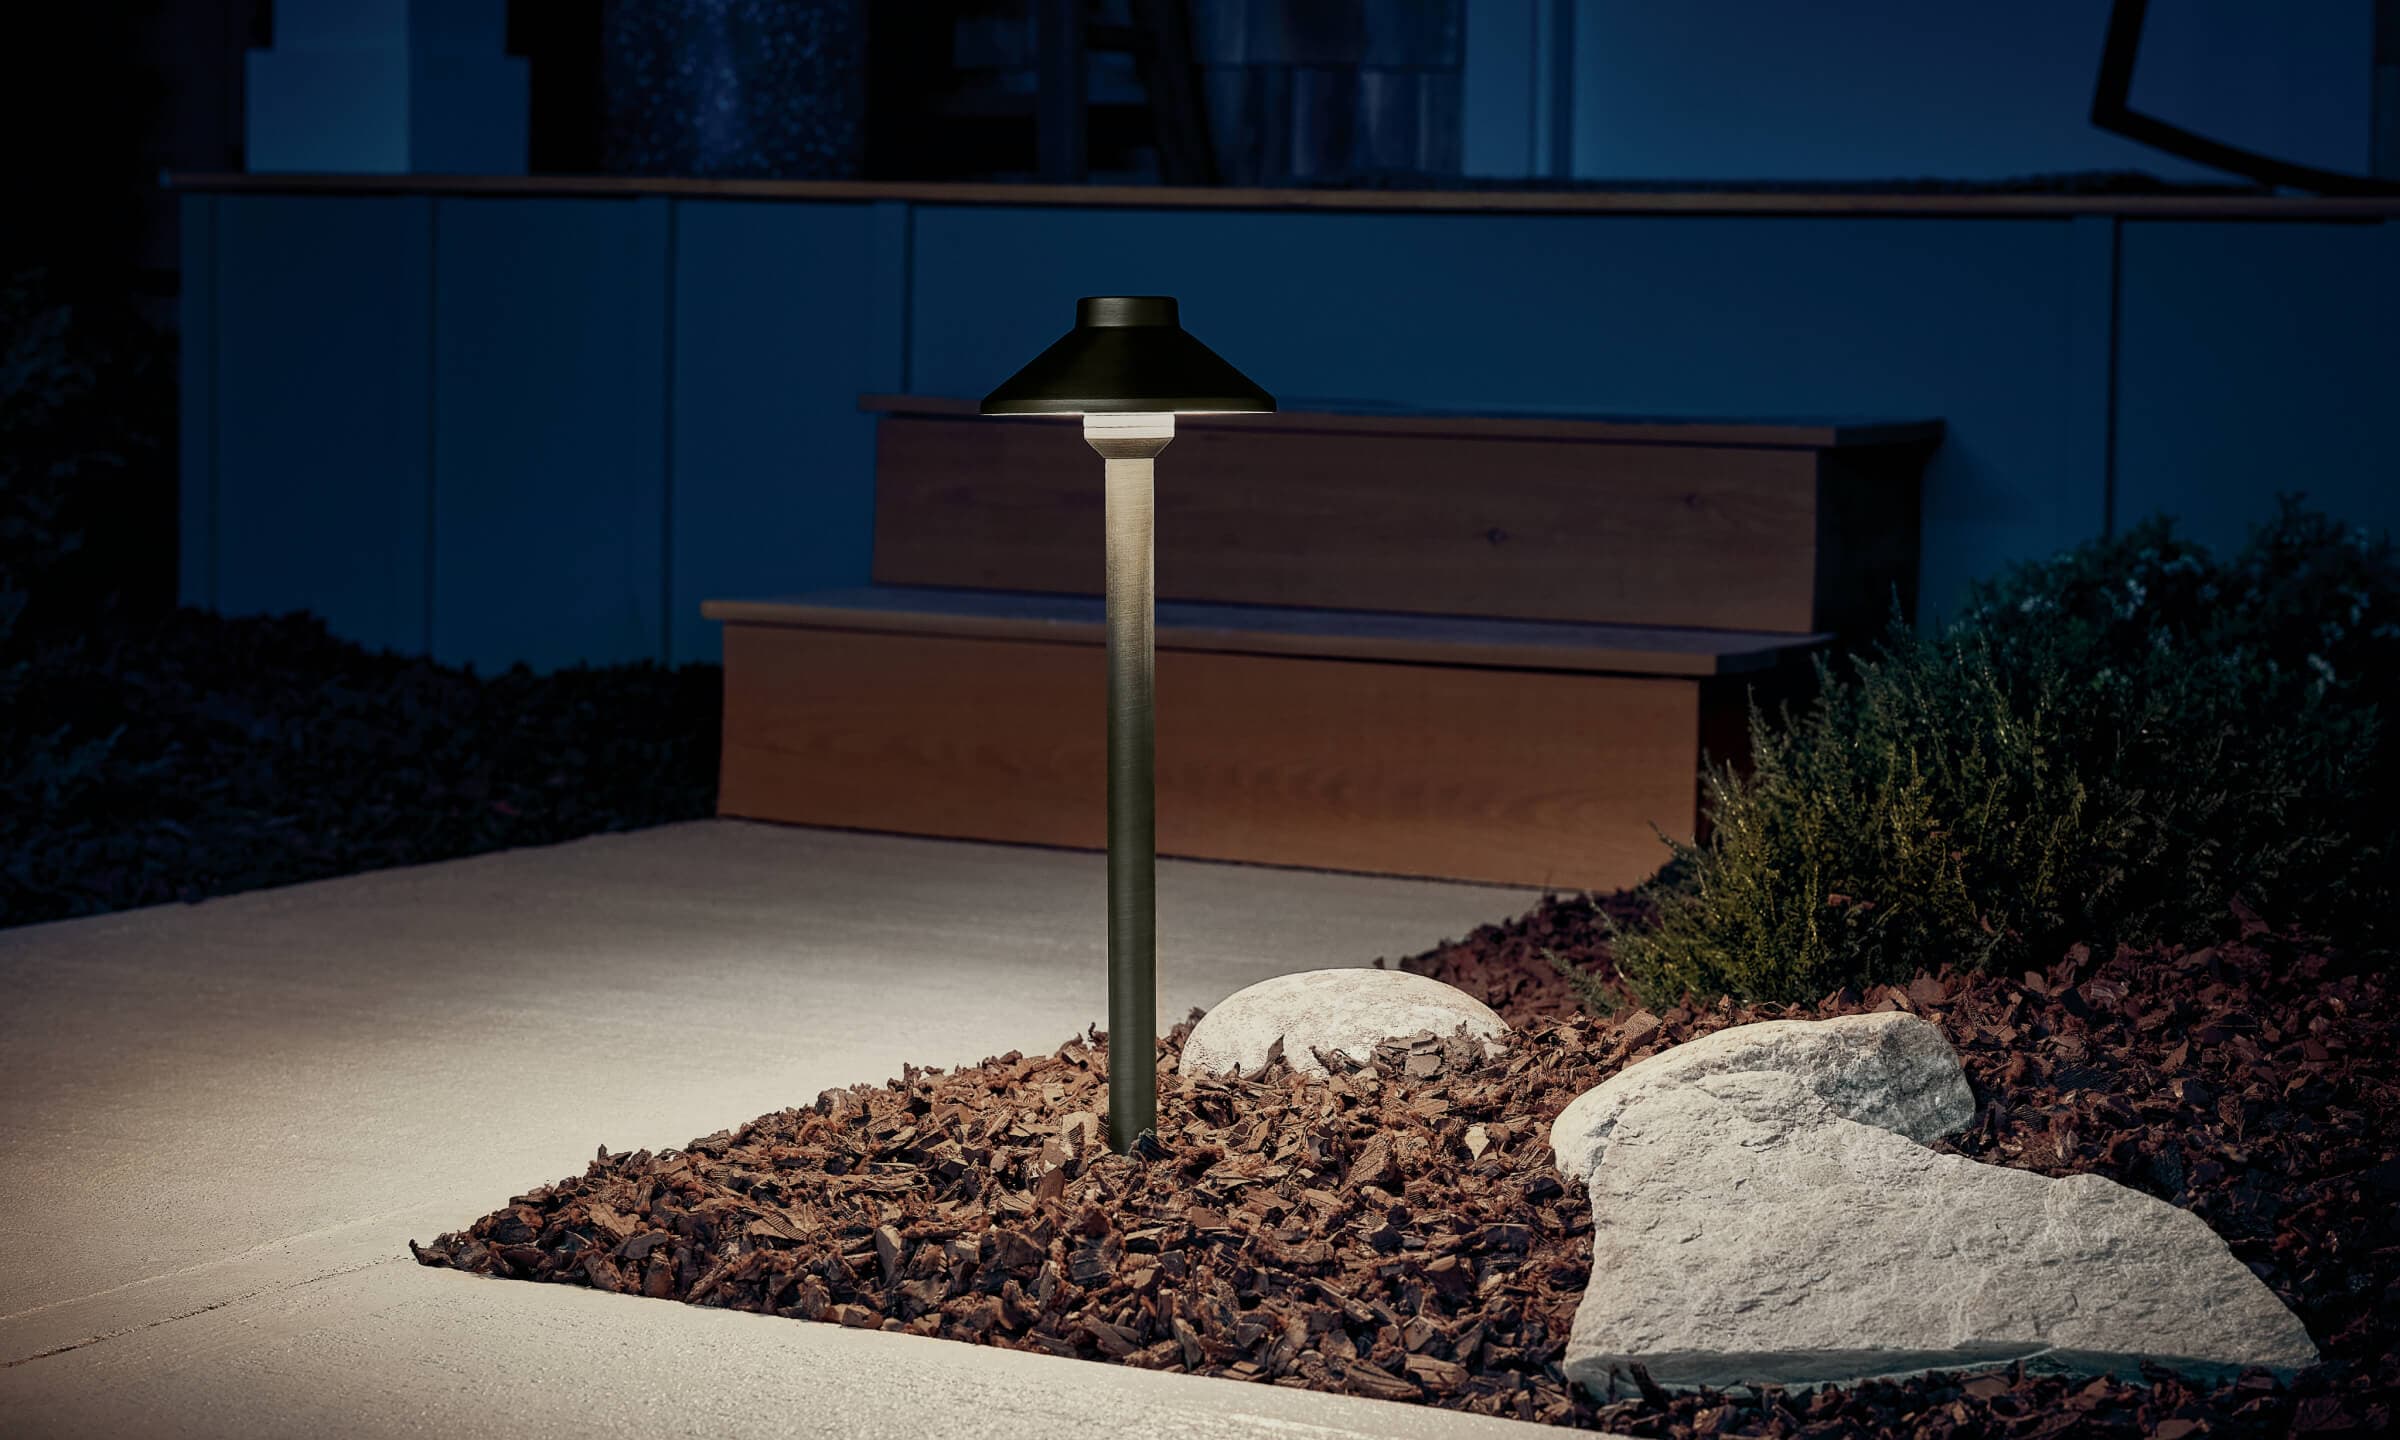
(1129, 369)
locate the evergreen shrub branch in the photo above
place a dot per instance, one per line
(2113, 745)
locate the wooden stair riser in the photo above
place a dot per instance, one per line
(1785, 540)
(1508, 776)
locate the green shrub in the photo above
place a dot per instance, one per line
(2113, 745)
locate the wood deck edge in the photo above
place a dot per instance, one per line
(1708, 431)
(1636, 202)
(1499, 655)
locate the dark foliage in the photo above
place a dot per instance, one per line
(2109, 746)
(198, 756)
(86, 502)
(83, 92)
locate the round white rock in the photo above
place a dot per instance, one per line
(1347, 1011)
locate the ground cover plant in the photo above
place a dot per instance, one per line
(2110, 746)
(1398, 1230)
(145, 761)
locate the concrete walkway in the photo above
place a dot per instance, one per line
(224, 1121)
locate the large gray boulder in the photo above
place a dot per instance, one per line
(1892, 1070)
(1746, 1231)
(1349, 1011)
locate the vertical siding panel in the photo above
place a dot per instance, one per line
(2259, 358)
(2090, 375)
(549, 462)
(891, 255)
(784, 315)
(320, 376)
(196, 441)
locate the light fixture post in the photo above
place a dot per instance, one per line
(1129, 446)
(1128, 368)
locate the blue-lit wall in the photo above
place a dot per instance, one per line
(1888, 89)
(545, 429)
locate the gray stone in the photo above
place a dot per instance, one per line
(1746, 1232)
(1892, 1070)
(1345, 1011)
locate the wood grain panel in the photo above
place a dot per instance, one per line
(1509, 776)
(1703, 536)
(980, 740)
(1537, 779)
(1271, 630)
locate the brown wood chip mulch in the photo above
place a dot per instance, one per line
(1397, 1230)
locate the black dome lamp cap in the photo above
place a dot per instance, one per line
(1127, 355)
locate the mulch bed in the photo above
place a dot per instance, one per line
(1397, 1230)
(196, 755)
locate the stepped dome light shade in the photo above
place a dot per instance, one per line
(1127, 355)
(1128, 369)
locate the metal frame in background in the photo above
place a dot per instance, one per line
(2111, 112)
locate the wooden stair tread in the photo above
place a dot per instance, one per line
(1279, 630)
(1355, 417)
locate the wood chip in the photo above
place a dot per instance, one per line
(1397, 1229)
(1365, 1379)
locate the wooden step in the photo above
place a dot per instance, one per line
(1792, 527)
(1524, 752)
(1280, 630)
(1486, 647)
